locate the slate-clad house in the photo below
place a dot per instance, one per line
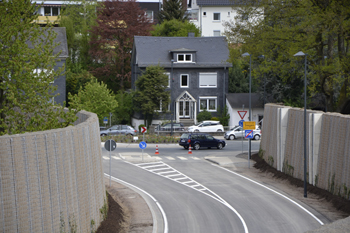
(199, 77)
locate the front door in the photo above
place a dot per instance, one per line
(184, 109)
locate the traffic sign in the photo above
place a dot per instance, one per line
(241, 123)
(242, 114)
(110, 145)
(105, 120)
(248, 133)
(143, 129)
(143, 145)
(249, 125)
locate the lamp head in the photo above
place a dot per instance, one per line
(299, 54)
(245, 54)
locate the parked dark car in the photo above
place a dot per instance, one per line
(176, 127)
(198, 140)
(119, 129)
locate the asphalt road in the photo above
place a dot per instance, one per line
(199, 197)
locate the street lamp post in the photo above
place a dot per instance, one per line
(250, 101)
(171, 103)
(299, 54)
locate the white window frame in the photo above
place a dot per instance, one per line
(169, 78)
(188, 81)
(152, 15)
(207, 98)
(216, 31)
(184, 54)
(37, 72)
(58, 13)
(217, 20)
(160, 107)
(201, 85)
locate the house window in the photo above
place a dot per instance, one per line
(189, 3)
(208, 80)
(37, 72)
(149, 15)
(51, 11)
(216, 16)
(208, 103)
(217, 33)
(184, 80)
(184, 58)
(168, 79)
(161, 107)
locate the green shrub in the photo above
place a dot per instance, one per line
(215, 119)
(203, 116)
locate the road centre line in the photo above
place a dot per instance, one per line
(165, 220)
(274, 191)
(210, 194)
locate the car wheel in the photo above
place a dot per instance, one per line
(186, 147)
(103, 135)
(256, 137)
(196, 130)
(232, 137)
(196, 146)
(219, 130)
(220, 146)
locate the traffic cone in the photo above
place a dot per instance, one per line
(157, 152)
(189, 150)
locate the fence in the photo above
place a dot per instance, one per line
(52, 181)
(328, 147)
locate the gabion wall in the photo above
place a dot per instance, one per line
(52, 181)
(328, 146)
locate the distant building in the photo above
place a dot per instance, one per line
(199, 78)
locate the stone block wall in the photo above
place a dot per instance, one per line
(52, 181)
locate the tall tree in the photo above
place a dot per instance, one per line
(172, 9)
(94, 97)
(78, 17)
(321, 29)
(112, 40)
(175, 28)
(151, 92)
(25, 93)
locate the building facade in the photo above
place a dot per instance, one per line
(197, 68)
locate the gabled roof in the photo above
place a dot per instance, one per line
(219, 2)
(236, 100)
(210, 51)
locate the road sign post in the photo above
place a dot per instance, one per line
(143, 145)
(110, 145)
(105, 121)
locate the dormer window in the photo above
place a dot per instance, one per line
(184, 58)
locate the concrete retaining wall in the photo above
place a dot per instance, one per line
(328, 147)
(52, 181)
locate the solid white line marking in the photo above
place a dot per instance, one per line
(105, 157)
(120, 155)
(174, 175)
(161, 173)
(160, 165)
(141, 164)
(183, 178)
(187, 182)
(159, 169)
(166, 229)
(115, 157)
(280, 194)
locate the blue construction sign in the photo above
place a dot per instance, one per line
(248, 134)
(241, 123)
(105, 120)
(143, 145)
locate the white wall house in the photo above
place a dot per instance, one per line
(240, 101)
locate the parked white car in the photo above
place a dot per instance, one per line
(207, 126)
(238, 132)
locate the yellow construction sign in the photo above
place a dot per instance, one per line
(249, 125)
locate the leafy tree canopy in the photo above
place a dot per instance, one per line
(151, 91)
(94, 97)
(125, 108)
(26, 71)
(112, 40)
(279, 29)
(175, 28)
(172, 9)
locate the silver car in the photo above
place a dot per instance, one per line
(119, 129)
(238, 132)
